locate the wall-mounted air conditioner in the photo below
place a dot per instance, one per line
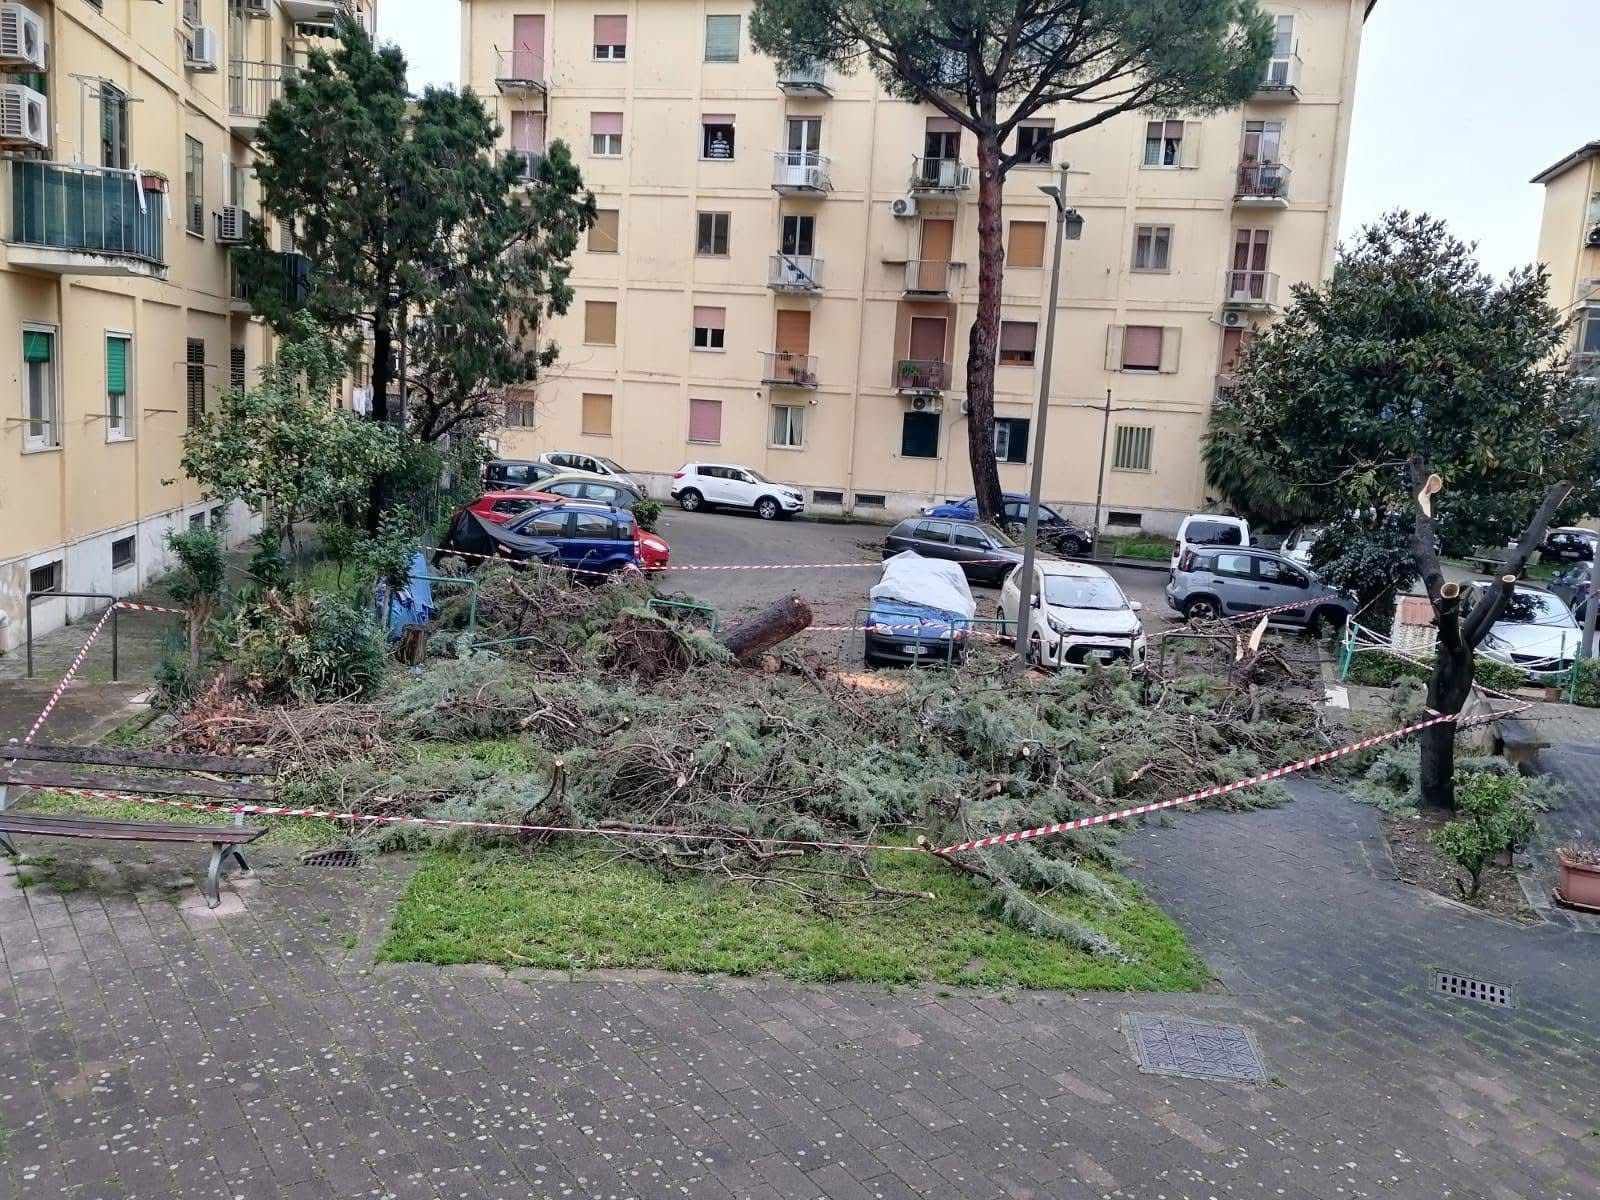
(1593, 238)
(904, 206)
(927, 404)
(1232, 318)
(201, 49)
(22, 39)
(258, 8)
(24, 118)
(233, 225)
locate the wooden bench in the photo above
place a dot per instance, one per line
(46, 767)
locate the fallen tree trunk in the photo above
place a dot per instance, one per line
(776, 623)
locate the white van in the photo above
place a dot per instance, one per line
(1209, 529)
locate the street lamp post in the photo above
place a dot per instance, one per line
(1069, 224)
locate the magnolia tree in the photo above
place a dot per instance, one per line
(991, 65)
(1423, 408)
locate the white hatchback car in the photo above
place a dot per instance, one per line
(700, 485)
(1536, 632)
(591, 464)
(1080, 614)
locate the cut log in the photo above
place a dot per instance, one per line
(776, 623)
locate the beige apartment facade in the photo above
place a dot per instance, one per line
(1569, 247)
(784, 275)
(126, 130)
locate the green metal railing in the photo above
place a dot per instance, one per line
(95, 210)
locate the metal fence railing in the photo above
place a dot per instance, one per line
(97, 210)
(253, 87)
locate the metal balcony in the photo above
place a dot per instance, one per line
(800, 171)
(794, 273)
(804, 79)
(527, 162)
(519, 71)
(1282, 80)
(939, 175)
(324, 14)
(253, 88)
(932, 277)
(71, 219)
(293, 282)
(921, 376)
(784, 368)
(1261, 185)
(1250, 289)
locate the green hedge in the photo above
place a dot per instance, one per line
(1373, 668)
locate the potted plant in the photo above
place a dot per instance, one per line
(1578, 875)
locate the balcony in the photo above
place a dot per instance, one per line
(253, 87)
(801, 273)
(1282, 80)
(799, 172)
(292, 285)
(323, 15)
(1250, 289)
(527, 163)
(784, 368)
(70, 219)
(519, 71)
(938, 175)
(1261, 185)
(932, 277)
(921, 376)
(804, 79)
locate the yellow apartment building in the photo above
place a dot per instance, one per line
(784, 271)
(1569, 246)
(126, 131)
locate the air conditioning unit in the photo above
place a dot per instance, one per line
(904, 206)
(200, 49)
(22, 41)
(233, 225)
(24, 118)
(966, 408)
(258, 8)
(1232, 318)
(1594, 237)
(927, 404)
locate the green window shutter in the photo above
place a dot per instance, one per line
(36, 346)
(117, 366)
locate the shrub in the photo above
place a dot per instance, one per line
(1586, 687)
(1376, 669)
(197, 584)
(1496, 817)
(647, 512)
(304, 646)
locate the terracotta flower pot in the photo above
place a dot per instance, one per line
(1577, 884)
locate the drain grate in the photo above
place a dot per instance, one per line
(330, 858)
(1169, 1045)
(1464, 987)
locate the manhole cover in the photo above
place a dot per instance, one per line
(1167, 1045)
(1464, 987)
(330, 858)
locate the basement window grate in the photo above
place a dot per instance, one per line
(1464, 987)
(330, 858)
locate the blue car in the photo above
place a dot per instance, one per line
(596, 539)
(1055, 531)
(897, 632)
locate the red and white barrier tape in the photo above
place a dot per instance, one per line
(156, 608)
(60, 688)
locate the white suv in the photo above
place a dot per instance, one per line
(711, 485)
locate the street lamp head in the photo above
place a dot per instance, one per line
(1053, 192)
(1073, 220)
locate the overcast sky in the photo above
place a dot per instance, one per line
(1459, 104)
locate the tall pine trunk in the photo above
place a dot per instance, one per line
(983, 344)
(382, 373)
(1448, 690)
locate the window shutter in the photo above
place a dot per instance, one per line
(1142, 347)
(1191, 144)
(1169, 349)
(1027, 244)
(1018, 336)
(705, 420)
(605, 122)
(236, 369)
(603, 233)
(596, 414)
(943, 125)
(611, 31)
(1114, 347)
(709, 318)
(35, 346)
(600, 322)
(794, 330)
(117, 366)
(722, 38)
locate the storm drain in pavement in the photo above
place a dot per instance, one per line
(1464, 987)
(330, 858)
(1170, 1045)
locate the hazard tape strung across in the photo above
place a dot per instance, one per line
(60, 688)
(157, 608)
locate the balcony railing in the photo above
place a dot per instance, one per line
(804, 79)
(1262, 183)
(1282, 79)
(253, 87)
(939, 174)
(104, 214)
(932, 277)
(527, 162)
(800, 171)
(1250, 289)
(292, 283)
(794, 273)
(519, 70)
(921, 376)
(784, 368)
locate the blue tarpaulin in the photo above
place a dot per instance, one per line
(412, 604)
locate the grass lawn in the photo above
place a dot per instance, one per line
(1139, 545)
(580, 908)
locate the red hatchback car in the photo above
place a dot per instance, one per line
(501, 507)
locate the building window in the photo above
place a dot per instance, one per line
(711, 234)
(1025, 247)
(1152, 247)
(45, 578)
(521, 412)
(708, 327)
(919, 435)
(799, 236)
(197, 522)
(605, 233)
(605, 134)
(1589, 331)
(122, 553)
(113, 125)
(42, 430)
(600, 322)
(716, 136)
(1011, 439)
(789, 426)
(238, 377)
(194, 186)
(1132, 451)
(722, 38)
(705, 421)
(1163, 144)
(1263, 142)
(119, 414)
(611, 38)
(1144, 348)
(596, 414)
(195, 381)
(1017, 341)
(1033, 143)
(1280, 68)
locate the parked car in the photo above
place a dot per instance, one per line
(1208, 529)
(506, 473)
(650, 549)
(1056, 531)
(1569, 544)
(580, 485)
(573, 534)
(593, 464)
(983, 551)
(1079, 615)
(920, 610)
(503, 507)
(1536, 632)
(1216, 581)
(698, 485)
(1571, 587)
(1297, 546)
